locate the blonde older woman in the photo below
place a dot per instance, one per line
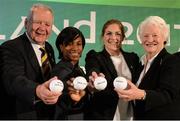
(155, 92)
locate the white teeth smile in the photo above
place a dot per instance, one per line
(74, 54)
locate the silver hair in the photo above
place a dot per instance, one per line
(158, 21)
(36, 6)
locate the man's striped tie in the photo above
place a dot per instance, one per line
(46, 66)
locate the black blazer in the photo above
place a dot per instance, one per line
(162, 86)
(65, 70)
(20, 74)
(103, 103)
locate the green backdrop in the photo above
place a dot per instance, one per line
(90, 15)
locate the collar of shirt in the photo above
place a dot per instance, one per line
(33, 42)
(36, 49)
(147, 64)
(144, 59)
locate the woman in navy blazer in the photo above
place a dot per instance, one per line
(104, 104)
(156, 93)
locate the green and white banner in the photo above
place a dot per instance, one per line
(90, 15)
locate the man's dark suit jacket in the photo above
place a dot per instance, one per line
(20, 74)
(103, 103)
(162, 86)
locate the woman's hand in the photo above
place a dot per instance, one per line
(92, 77)
(76, 95)
(131, 93)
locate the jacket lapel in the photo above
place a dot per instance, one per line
(129, 62)
(50, 54)
(31, 54)
(155, 66)
(109, 64)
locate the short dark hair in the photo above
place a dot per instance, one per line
(67, 35)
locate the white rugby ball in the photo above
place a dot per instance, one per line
(56, 86)
(120, 83)
(80, 83)
(100, 83)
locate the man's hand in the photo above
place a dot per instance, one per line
(47, 96)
